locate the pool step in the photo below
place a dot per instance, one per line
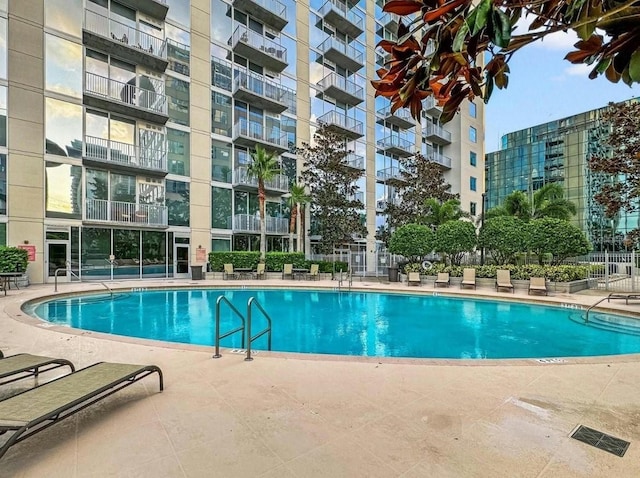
(621, 325)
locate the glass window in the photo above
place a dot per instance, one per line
(473, 134)
(96, 247)
(220, 21)
(472, 110)
(63, 71)
(220, 114)
(178, 49)
(220, 161)
(179, 11)
(220, 245)
(472, 208)
(64, 15)
(473, 158)
(123, 188)
(63, 127)
(179, 151)
(97, 184)
(3, 184)
(221, 216)
(178, 96)
(3, 115)
(178, 203)
(472, 183)
(63, 190)
(3, 47)
(221, 73)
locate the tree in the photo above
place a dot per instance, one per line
(297, 198)
(503, 237)
(549, 201)
(264, 166)
(515, 204)
(441, 212)
(557, 237)
(455, 238)
(436, 53)
(621, 168)
(419, 179)
(412, 241)
(332, 189)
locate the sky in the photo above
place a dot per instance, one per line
(545, 87)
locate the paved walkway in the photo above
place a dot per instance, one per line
(289, 415)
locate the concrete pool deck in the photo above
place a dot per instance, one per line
(292, 415)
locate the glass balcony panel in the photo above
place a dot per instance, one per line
(342, 124)
(343, 90)
(262, 50)
(247, 133)
(261, 92)
(341, 16)
(400, 118)
(396, 145)
(242, 179)
(437, 134)
(341, 53)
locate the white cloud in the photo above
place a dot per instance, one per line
(578, 70)
(555, 41)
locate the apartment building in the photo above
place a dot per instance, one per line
(127, 126)
(558, 152)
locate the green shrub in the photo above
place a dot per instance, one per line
(412, 241)
(13, 259)
(413, 267)
(564, 273)
(217, 260)
(275, 261)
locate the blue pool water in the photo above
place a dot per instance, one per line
(355, 323)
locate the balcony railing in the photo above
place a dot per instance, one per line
(261, 87)
(270, 12)
(251, 223)
(437, 134)
(125, 93)
(357, 196)
(396, 145)
(256, 131)
(101, 210)
(401, 117)
(334, 10)
(124, 154)
(348, 126)
(273, 54)
(279, 182)
(431, 107)
(345, 90)
(389, 173)
(125, 34)
(354, 161)
(346, 55)
(439, 158)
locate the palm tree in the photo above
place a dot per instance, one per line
(441, 212)
(549, 201)
(297, 197)
(515, 204)
(264, 166)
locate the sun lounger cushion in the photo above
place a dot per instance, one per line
(25, 365)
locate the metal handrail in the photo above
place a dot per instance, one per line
(612, 295)
(68, 269)
(252, 301)
(221, 299)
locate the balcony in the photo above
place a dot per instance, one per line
(258, 91)
(270, 12)
(124, 156)
(124, 41)
(396, 145)
(400, 118)
(127, 98)
(145, 215)
(242, 181)
(390, 21)
(438, 158)
(353, 161)
(341, 124)
(154, 8)
(342, 54)
(381, 204)
(390, 175)
(341, 89)
(357, 196)
(259, 48)
(346, 20)
(437, 134)
(431, 107)
(247, 133)
(251, 223)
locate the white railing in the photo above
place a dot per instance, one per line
(259, 42)
(125, 93)
(354, 161)
(340, 119)
(395, 142)
(402, 113)
(343, 10)
(342, 47)
(257, 131)
(125, 34)
(123, 153)
(439, 158)
(435, 130)
(251, 223)
(279, 182)
(340, 82)
(124, 212)
(261, 86)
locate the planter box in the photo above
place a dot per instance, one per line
(568, 287)
(520, 285)
(485, 283)
(455, 281)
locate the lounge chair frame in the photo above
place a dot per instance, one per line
(443, 278)
(314, 272)
(30, 368)
(538, 284)
(228, 271)
(414, 278)
(23, 430)
(468, 277)
(503, 275)
(287, 270)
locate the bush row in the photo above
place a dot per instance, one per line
(13, 259)
(564, 273)
(274, 261)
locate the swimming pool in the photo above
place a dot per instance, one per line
(354, 323)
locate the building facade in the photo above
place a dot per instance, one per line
(128, 126)
(558, 152)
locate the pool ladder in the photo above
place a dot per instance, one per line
(245, 328)
(612, 295)
(349, 281)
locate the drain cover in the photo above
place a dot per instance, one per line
(601, 440)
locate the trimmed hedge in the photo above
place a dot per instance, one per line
(274, 261)
(564, 273)
(13, 259)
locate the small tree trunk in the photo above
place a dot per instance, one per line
(263, 221)
(292, 226)
(299, 227)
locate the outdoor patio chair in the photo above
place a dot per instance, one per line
(538, 284)
(17, 367)
(314, 272)
(228, 272)
(468, 277)
(503, 280)
(414, 278)
(442, 279)
(260, 272)
(38, 408)
(287, 270)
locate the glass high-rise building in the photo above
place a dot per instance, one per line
(558, 152)
(126, 127)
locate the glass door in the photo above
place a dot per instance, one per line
(57, 255)
(181, 261)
